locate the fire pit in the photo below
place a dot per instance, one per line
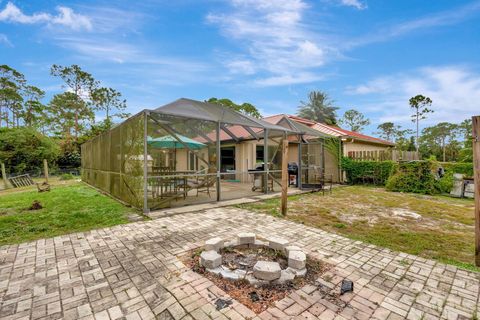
(270, 261)
(256, 271)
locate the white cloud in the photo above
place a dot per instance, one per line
(241, 66)
(434, 20)
(275, 40)
(354, 3)
(66, 17)
(455, 91)
(282, 80)
(4, 40)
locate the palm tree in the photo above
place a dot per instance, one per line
(319, 108)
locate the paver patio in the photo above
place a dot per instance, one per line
(132, 272)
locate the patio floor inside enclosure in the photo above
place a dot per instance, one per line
(187, 152)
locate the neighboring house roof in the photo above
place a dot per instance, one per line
(328, 130)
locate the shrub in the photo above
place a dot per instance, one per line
(446, 182)
(465, 168)
(70, 159)
(67, 176)
(23, 149)
(356, 170)
(416, 177)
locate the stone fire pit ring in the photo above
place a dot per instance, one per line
(263, 272)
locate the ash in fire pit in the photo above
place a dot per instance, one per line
(259, 262)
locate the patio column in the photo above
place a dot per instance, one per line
(145, 163)
(265, 160)
(299, 176)
(218, 161)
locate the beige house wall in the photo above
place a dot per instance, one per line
(293, 153)
(245, 154)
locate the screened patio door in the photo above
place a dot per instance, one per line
(312, 165)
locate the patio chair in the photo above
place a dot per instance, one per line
(205, 183)
(201, 183)
(326, 180)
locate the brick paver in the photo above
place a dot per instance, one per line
(132, 272)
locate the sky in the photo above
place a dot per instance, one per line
(368, 55)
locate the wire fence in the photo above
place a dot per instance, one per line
(52, 172)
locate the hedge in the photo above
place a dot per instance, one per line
(416, 177)
(356, 170)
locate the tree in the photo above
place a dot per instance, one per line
(108, 99)
(465, 129)
(420, 106)
(23, 149)
(245, 108)
(11, 83)
(354, 120)
(34, 110)
(439, 137)
(81, 84)
(67, 111)
(319, 108)
(387, 130)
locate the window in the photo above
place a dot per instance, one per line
(192, 161)
(259, 154)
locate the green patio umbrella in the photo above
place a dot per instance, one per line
(169, 142)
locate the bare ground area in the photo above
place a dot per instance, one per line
(436, 227)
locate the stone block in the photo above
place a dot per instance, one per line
(230, 275)
(214, 244)
(210, 259)
(267, 270)
(297, 259)
(291, 248)
(298, 272)
(260, 243)
(277, 243)
(286, 275)
(246, 238)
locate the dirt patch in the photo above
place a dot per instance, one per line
(258, 297)
(36, 205)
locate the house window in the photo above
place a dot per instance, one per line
(192, 161)
(259, 154)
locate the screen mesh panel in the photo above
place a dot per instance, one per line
(113, 161)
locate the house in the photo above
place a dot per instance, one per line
(189, 152)
(350, 141)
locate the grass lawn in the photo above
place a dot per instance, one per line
(434, 227)
(70, 206)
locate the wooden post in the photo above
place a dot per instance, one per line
(4, 176)
(476, 175)
(284, 176)
(45, 169)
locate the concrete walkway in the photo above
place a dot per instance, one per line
(132, 272)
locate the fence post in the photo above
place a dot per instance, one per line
(476, 175)
(285, 176)
(45, 169)
(4, 176)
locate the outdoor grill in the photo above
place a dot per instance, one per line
(292, 173)
(257, 176)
